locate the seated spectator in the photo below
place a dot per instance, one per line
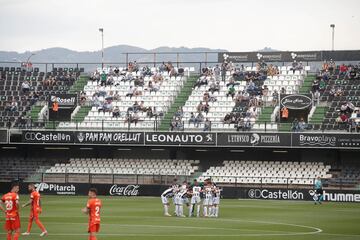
(214, 87)
(199, 119)
(25, 87)
(316, 98)
(232, 82)
(339, 92)
(342, 71)
(275, 98)
(206, 96)
(107, 107)
(343, 118)
(139, 82)
(149, 112)
(207, 125)
(201, 81)
(199, 107)
(130, 92)
(103, 78)
(231, 92)
(322, 85)
(192, 118)
(217, 72)
(295, 125)
(302, 125)
(227, 118)
(142, 106)
(116, 112)
(34, 97)
(82, 98)
(8, 106)
(116, 96)
(282, 90)
(179, 113)
(205, 107)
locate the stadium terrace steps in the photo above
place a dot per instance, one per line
(306, 87)
(82, 113)
(318, 115)
(179, 102)
(79, 84)
(34, 112)
(265, 116)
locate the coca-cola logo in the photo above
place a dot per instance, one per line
(129, 190)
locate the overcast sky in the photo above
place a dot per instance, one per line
(235, 25)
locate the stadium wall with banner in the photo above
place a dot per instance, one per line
(133, 190)
(193, 139)
(289, 56)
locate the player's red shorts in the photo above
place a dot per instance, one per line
(34, 213)
(94, 228)
(12, 224)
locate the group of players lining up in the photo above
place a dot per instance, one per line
(193, 196)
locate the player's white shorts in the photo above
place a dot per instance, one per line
(195, 200)
(178, 200)
(208, 201)
(164, 200)
(216, 200)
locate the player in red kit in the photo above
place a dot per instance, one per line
(10, 205)
(35, 211)
(93, 208)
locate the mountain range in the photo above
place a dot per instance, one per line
(115, 54)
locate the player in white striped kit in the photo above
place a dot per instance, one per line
(179, 201)
(195, 199)
(168, 193)
(208, 198)
(216, 201)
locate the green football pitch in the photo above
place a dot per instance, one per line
(141, 218)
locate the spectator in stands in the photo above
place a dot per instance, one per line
(155, 87)
(325, 66)
(130, 92)
(217, 72)
(149, 112)
(201, 81)
(192, 118)
(322, 86)
(34, 97)
(103, 78)
(199, 107)
(332, 91)
(173, 72)
(199, 119)
(82, 98)
(282, 90)
(275, 98)
(139, 82)
(295, 125)
(142, 107)
(231, 92)
(342, 71)
(331, 66)
(116, 112)
(207, 125)
(284, 113)
(214, 87)
(302, 125)
(179, 113)
(316, 98)
(107, 107)
(116, 96)
(25, 87)
(223, 71)
(315, 85)
(343, 118)
(232, 82)
(339, 92)
(227, 118)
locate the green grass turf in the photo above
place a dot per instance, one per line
(141, 218)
